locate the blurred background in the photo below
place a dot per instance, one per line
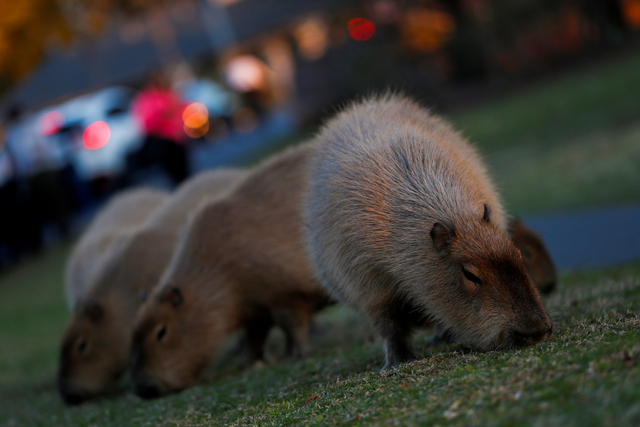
(101, 95)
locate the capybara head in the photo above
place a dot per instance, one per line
(489, 300)
(94, 354)
(535, 256)
(96, 347)
(172, 344)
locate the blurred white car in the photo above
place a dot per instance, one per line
(96, 130)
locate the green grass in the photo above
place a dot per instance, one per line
(572, 142)
(587, 374)
(603, 96)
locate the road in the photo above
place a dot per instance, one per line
(591, 238)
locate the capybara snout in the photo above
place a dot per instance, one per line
(538, 329)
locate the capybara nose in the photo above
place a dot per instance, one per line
(525, 339)
(147, 390)
(70, 397)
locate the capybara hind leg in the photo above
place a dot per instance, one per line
(397, 343)
(256, 332)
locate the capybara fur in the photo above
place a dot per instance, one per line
(402, 223)
(240, 264)
(125, 211)
(96, 347)
(535, 256)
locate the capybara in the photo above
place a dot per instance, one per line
(535, 256)
(96, 347)
(402, 223)
(125, 211)
(241, 263)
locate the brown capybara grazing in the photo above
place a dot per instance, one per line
(535, 256)
(241, 263)
(402, 223)
(125, 211)
(96, 346)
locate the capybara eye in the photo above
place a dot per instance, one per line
(471, 277)
(82, 346)
(161, 333)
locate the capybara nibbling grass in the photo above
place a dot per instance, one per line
(403, 224)
(241, 263)
(536, 258)
(96, 346)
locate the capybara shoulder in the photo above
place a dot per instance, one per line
(404, 224)
(126, 210)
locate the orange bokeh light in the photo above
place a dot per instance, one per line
(361, 29)
(96, 135)
(426, 30)
(631, 12)
(195, 115)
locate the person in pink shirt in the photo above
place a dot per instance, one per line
(158, 110)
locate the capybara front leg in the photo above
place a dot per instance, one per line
(256, 333)
(397, 343)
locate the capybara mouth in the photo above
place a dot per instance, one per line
(147, 390)
(527, 339)
(70, 396)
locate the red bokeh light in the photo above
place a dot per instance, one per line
(96, 135)
(51, 122)
(361, 29)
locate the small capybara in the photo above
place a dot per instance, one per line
(96, 346)
(124, 212)
(241, 263)
(535, 256)
(402, 223)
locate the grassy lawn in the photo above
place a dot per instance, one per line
(568, 143)
(587, 374)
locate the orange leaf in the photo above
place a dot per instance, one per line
(312, 398)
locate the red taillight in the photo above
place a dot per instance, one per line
(96, 135)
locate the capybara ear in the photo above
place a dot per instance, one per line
(93, 311)
(487, 213)
(172, 295)
(442, 237)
